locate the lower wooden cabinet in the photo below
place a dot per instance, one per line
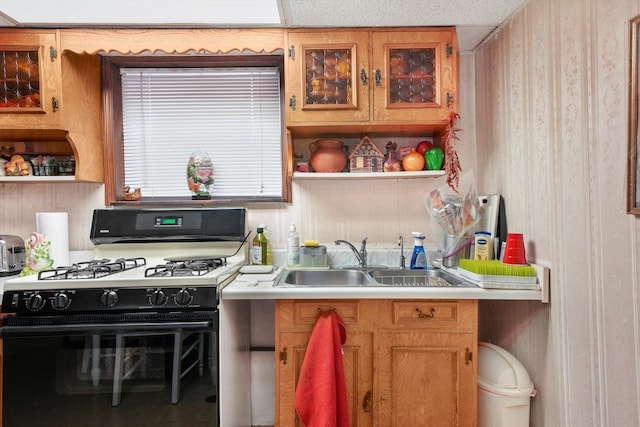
(407, 362)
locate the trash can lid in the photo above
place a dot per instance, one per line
(501, 373)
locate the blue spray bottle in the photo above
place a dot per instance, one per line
(419, 256)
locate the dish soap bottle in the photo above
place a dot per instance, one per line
(293, 247)
(267, 236)
(259, 249)
(419, 256)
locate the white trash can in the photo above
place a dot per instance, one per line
(504, 388)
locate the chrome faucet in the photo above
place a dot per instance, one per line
(361, 255)
(402, 257)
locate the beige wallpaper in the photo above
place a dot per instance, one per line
(19, 203)
(551, 88)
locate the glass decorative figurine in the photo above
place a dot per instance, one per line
(200, 175)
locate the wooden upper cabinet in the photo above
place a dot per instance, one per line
(376, 77)
(34, 118)
(31, 79)
(415, 75)
(326, 75)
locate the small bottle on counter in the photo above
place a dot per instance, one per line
(419, 256)
(293, 247)
(483, 250)
(265, 231)
(259, 248)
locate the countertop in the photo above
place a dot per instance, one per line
(260, 287)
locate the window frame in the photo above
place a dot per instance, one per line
(113, 124)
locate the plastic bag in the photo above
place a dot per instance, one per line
(456, 215)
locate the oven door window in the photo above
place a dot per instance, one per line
(110, 379)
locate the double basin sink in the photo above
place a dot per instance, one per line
(368, 277)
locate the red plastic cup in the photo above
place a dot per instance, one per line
(514, 251)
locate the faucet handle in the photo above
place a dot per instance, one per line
(363, 248)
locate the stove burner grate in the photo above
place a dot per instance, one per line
(192, 267)
(93, 269)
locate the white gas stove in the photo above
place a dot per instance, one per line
(113, 327)
(144, 260)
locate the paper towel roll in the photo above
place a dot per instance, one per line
(55, 226)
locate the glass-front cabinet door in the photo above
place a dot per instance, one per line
(30, 77)
(415, 75)
(327, 76)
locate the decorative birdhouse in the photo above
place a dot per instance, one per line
(366, 157)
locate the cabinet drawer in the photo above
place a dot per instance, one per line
(429, 314)
(302, 315)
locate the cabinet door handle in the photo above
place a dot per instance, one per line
(367, 402)
(468, 356)
(378, 77)
(430, 315)
(283, 356)
(292, 102)
(363, 76)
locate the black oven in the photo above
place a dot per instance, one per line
(126, 369)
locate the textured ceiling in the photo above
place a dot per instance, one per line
(474, 19)
(349, 13)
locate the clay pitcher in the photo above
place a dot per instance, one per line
(328, 155)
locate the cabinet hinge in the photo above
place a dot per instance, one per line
(292, 53)
(55, 104)
(283, 356)
(292, 102)
(449, 99)
(449, 50)
(53, 53)
(468, 356)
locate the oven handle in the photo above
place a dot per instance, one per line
(92, 328)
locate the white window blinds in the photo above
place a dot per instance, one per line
(233, 114)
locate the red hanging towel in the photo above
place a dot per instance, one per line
(321, 393)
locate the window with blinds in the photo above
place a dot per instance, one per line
(159, 110)
(233, 114)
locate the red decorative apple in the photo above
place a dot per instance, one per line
(423, 146)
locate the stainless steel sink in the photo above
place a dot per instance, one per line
(368, 277)
(305, 278)
(406, 277)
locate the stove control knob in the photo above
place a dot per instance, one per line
(60, 301)
(109, 298)
(158, 298)
(183, 298)
(35, 302)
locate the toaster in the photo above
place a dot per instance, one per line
(12, 254)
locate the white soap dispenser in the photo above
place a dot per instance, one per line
(419, 256)
(293, 247)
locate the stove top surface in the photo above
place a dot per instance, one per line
(144, 265)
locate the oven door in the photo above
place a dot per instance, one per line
(91, 371)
